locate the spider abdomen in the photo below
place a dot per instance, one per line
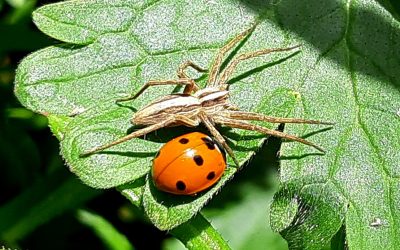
(213, 98)
(208, 100)
(168, 105)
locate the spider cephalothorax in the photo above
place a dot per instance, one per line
(209, 106)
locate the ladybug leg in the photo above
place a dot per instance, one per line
(212, 79)
(252, 127)
(225, 75)
(215, 133)
(176, 119)
(190, 84)
(243, 115)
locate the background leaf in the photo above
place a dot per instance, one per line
(42, 202)
(360, 70)
(240, 211)
(347, 72)
(105, 230)
(392, 6)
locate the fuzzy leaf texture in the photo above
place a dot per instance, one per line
(346, 72)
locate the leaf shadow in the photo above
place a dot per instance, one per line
(171, 200)
(166, 134)
(263, 163)
(298, 157)
(261, 68)
(314, 132)
(122, 105)
(361, 38)
(163, 135)
(233, 53)
(128, 153)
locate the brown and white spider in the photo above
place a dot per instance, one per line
(209, 106)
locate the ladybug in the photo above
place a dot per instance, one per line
(188, 164)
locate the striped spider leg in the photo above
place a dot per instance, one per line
(209, 106)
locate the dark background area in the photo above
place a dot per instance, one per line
(29, 157)
(31, 166)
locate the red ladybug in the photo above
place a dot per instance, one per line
(188, 164)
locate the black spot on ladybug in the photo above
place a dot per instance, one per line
(211, 175)
(180, 185)
(198, 159)
(209, 143)
(184, 140)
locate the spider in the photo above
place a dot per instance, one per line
(209, 106)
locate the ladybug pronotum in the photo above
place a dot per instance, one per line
(188, 164)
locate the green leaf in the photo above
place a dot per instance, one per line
(393, 6)
(199, 234)
(239, 212)
(168, 211)
(40, 203)
(74, 22)
(358, 179)
(346, 72)
(297, 216)
(251, 209)
(104, 230)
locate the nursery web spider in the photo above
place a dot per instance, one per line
(209, 106)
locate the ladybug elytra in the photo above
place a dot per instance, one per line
(188, 164)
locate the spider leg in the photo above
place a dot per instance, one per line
(232, 107)
(182, 75)
(185, 81)
(181, 70)
(248, 126)
(252, 116)
(176, 119)
(218, 60)
(215, 133)
(232, 65)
